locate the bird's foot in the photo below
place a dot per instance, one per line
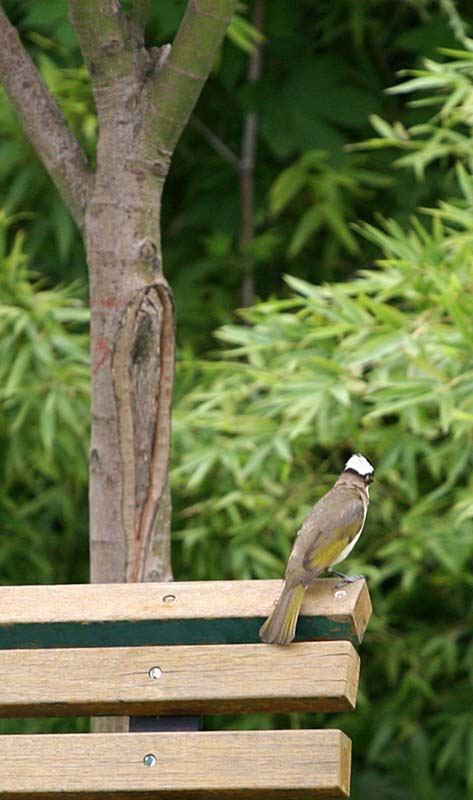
(345, 578)
(349, 579)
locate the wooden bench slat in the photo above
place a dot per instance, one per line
(306, 676)
(288, 765)
(114, 615)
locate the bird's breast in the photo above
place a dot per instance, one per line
(347, 550)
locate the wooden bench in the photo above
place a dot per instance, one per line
(153, 650)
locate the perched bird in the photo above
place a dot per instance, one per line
(328, 534)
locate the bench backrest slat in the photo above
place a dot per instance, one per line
(209, 612)
(307, 676)
(296, 765)
(152, 650)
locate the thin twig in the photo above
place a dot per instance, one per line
(214, 141)
(247, 168)
(44, 122)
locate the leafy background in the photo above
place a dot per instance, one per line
(360, 337)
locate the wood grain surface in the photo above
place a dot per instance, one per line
(288, 765)
(93, 615)
(305, 676)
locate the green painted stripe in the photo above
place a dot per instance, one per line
(124, 633)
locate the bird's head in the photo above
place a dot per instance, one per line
(361, 466)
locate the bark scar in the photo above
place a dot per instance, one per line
(143, 376)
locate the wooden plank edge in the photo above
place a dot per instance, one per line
(361, 614)
(201, 679)
(292, 764)
(145, 614)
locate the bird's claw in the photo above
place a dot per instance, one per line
(349, 579)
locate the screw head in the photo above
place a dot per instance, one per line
(169, 598)
(155, 672)
(340, 593)
(150, 760)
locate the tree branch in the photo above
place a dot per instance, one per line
(139, 16)
(44, 122)
(101, 29)
(178, 84)
(247, 169)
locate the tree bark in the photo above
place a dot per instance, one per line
(44, 122)
(144, 99)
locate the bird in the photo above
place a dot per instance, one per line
(327, 536)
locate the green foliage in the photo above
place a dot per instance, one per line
(327, 194)
(445, 136)
(25, 186)
(44, 422)
(324, 69)
(380, 364)
(242, 33)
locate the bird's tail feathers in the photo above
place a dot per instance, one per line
(280, 627)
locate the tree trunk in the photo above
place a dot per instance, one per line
(132, 317)
(132, 336)
(144, 99)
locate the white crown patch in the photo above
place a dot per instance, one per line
(359, 464)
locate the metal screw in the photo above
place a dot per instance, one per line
(340, 593)
(150, 760)
(169, 598)
(155, 672)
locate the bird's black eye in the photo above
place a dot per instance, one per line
(369, 478)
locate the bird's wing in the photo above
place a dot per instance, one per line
(328, 530)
